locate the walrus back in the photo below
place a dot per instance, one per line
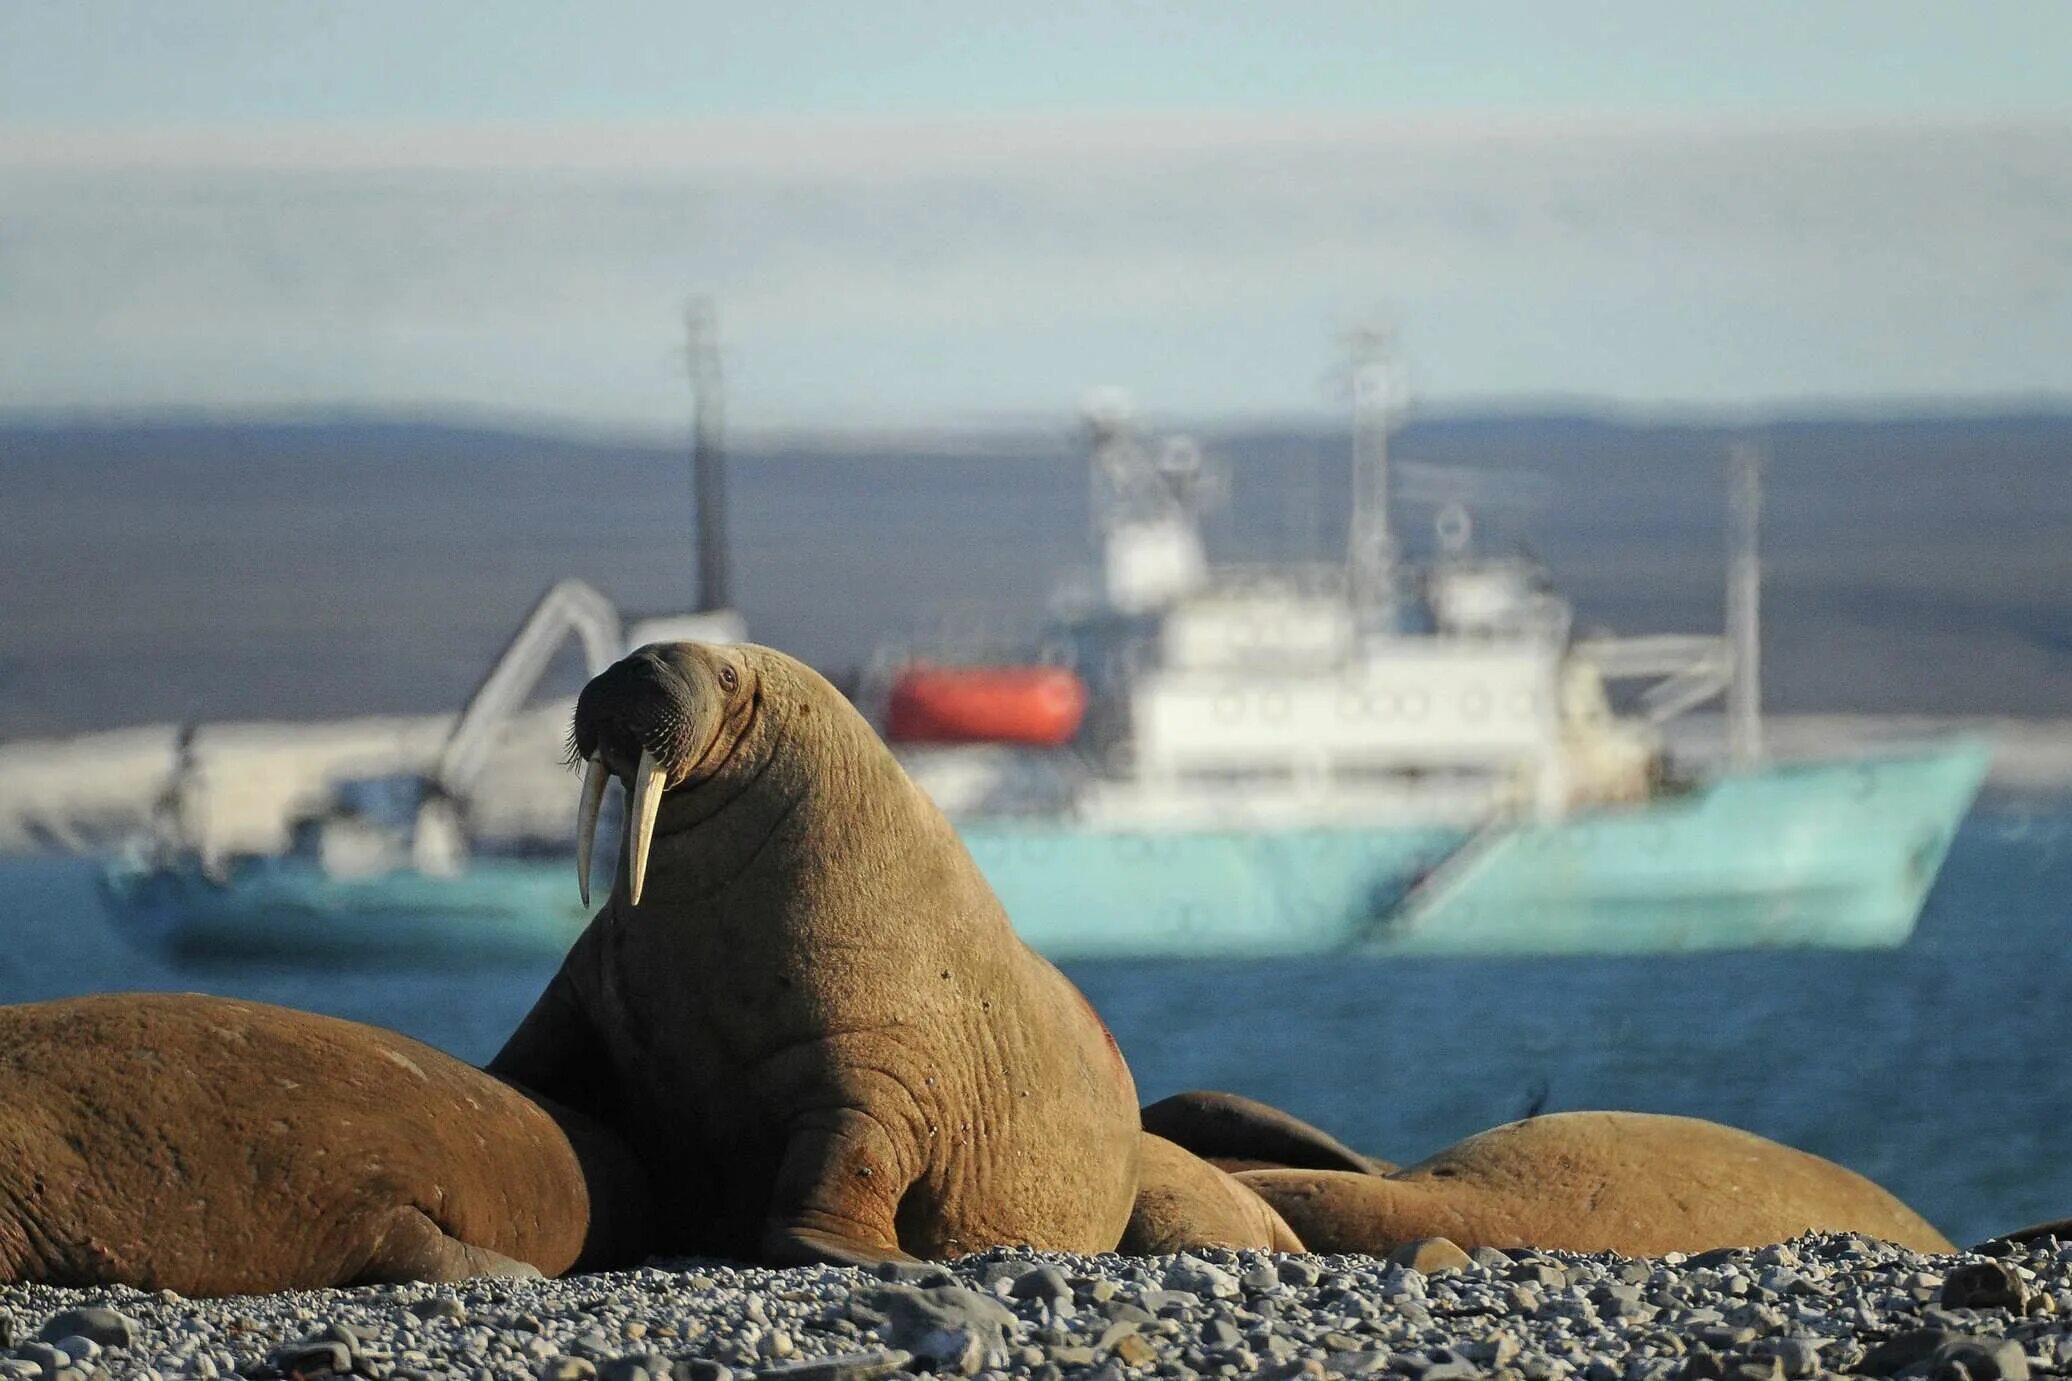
(215, 1146)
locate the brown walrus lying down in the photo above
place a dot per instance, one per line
(1233, 1132)
(212, 1146)
(803, 1005)
(1639, 1184)
(1185, 1203)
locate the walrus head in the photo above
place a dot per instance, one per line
(667, 716)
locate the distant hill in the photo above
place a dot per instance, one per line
(170, 569)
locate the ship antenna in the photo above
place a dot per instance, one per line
(708, 464)
(1371, 543)
(1744, 604)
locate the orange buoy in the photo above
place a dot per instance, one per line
(1040, 706)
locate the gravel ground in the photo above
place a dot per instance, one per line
(1819, 1305)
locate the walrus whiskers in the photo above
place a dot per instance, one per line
(594, 776)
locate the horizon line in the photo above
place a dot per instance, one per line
(745, 141)
(1750, 416)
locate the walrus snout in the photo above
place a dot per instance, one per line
(648, 719)
(640, 703)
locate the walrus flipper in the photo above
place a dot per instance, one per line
(836, 1196)
(412, 1247)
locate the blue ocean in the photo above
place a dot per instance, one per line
(1939, 1069)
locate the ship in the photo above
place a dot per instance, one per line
(1192, 760)
(1373, 756)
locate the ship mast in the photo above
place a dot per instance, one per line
(708, 466)
(1744, 612)
(1371, 542)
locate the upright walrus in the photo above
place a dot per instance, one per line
(1636, 1183)
(211, 1146)
(803, 1004)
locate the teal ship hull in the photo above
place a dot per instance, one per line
(287, 910)
(1822, 854)
(1826, 854)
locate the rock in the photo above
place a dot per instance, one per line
(1798, 1357)
(105, 1326)
(440, 1307)
(701, 1369)
(849, 1366)
(947, 1326)
(626, 1369)
(1290, 1370)
(1701, 1363)
(313, 1357)
(1490, 1258)
(565, 1368)
(1197, 1277)
(1260, 1278)
(1984, 1285)
(1042, 1283)
(1979, 1359)
(1445, 1371)
(80, 1350)
(1429, 1256)
(1296, 1271)
(1538, 1273)
(1132, 1349)
(1903, 1350)
(1764, 1368)
(1169, 1302)
(924, 1274)
(47, 1360)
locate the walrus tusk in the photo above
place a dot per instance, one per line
(594, 777)
(647, 800)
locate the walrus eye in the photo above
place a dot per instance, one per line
(728, 678)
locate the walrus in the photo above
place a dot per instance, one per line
(1233, 1132)
(1185, 1203)
(1640, 1184)
(212, 1146)
(802, 1003)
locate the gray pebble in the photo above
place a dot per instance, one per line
(105, 1326)
(852, 1366)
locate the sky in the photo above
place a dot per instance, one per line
(916, 212)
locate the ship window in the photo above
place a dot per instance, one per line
(1398, 774)
(1267, 774)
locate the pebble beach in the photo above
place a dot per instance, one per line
(1816, 1306)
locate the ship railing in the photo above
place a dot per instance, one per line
(1312, 579)
(1688, 669)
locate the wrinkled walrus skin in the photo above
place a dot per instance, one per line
(1233, 1132)
(816, 1024)
(211, 1146)
(1639, 1184)
(1184, 1203)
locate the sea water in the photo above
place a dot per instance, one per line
(1942, 1069)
